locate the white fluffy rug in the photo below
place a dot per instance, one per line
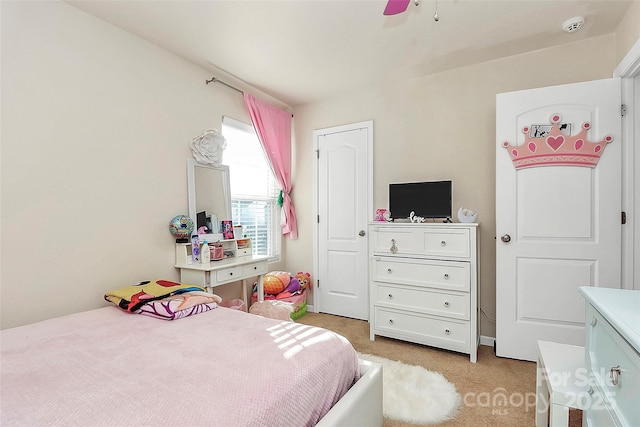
(415, 394)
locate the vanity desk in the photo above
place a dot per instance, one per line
(209, 203)
(612, 356)
(216, 273)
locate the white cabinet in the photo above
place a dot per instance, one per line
(612, 356)
(423, 284)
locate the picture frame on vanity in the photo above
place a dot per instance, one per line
(227, 229)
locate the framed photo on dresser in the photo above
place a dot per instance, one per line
(227, 229)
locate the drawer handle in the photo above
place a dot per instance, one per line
(594, 321)
(231, 273)
(614, 373)
(255, 267)
(390, 296)
(446, 303)
(591, 391)
(389, 270)
(391, 321)
(447, 331)
(446, 275)
(393, 247)
(443, 243)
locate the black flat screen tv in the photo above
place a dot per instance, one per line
(431, 199)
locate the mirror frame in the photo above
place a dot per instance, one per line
(191, 189)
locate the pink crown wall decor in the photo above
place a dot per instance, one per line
(557, 149)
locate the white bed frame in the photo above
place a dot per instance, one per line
(362, 404)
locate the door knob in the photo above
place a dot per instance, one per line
(505, 238)
(361, 233)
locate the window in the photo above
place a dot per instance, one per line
(254, 189)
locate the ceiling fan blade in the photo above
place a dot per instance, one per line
(396, 6)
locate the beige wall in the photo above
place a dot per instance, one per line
(440, 127)
(96, 125)
(628, 31)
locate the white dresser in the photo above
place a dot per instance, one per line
(424, 284)
(612, 356)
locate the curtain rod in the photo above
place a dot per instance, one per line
(217, 80)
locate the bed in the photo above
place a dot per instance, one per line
(222, 367)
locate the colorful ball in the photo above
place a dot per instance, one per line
(181, 226)
(275, 282)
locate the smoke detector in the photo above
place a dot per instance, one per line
(572, 25)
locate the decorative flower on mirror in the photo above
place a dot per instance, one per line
(208, 147)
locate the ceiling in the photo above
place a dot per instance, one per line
(302, 51)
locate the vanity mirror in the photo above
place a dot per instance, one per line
(209, 195)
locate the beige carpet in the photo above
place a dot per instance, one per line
(480, 384)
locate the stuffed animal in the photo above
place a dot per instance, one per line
(276, 282)
(304, 279)
(293, 286)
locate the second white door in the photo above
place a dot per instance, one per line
(558, 225)
(344, 206)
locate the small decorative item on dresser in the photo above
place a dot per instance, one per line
(217, 251)
(181, 227)
(415, 219)
(195, 248)
(227, 229)
(467, 215)
(382, 215)
(205, 253)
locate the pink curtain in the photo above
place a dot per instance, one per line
(273, 127)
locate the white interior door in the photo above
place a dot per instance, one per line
(563, 222)
(344, 206)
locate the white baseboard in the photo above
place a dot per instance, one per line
(488, 341)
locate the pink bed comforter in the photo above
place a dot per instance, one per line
(219, 368)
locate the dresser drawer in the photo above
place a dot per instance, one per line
(255, 269)
(244, 252)
(229, 274)
(607, 350)
(438, 303)
(440, 242)
(445, 333)
(391, 241)
(450, 243)
(597, 414)
(424, 273)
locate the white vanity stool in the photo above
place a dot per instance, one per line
(558, 384)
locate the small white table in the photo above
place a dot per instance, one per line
(559, 386)
(216, 273)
